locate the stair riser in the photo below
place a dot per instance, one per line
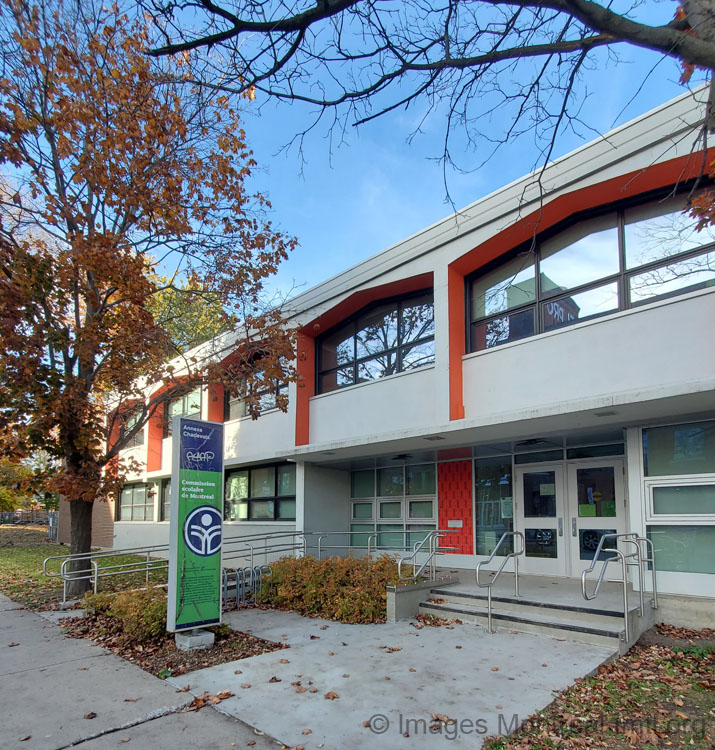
(587, 618)
(552, 631)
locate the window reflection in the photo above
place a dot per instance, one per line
(595, 267)
(386, 339)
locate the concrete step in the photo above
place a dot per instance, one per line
(542, 623)
(595, 616)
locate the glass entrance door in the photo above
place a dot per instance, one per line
(596, 507)
(539, 514)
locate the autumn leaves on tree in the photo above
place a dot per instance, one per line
(121, 180)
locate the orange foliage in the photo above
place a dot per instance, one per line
(115, 169)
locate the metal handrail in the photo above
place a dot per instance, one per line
(622, 557)
(497, 573)
(640, 561)
(432, 537)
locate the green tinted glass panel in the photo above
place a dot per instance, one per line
(360, 533)
(362, 484)
(362, 510)
(697, 499)
(494, 503)
(286, 510)
(390, 536)
(391, 510)
(261, 509)
(684, 549)
(286, 480)
(679, 449)
(263, 482)
(421, 479)
(421, 509)
(390, 482)
(596, 491)
(539, 457)
(237, 484)
(595, 451)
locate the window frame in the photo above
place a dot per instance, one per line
(277, 388)
(400, 302)
(673, 519)
(137, 440)
(166, 427)
(622, 278)
(275, 498)
(149, 502)
(163, 504)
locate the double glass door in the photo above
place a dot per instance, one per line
(564, 509)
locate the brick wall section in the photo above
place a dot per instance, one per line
(63, 530)
(103, 524)
(454, 493)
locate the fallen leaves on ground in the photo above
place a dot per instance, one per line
(652, 697)
(331, 696)
(207, 699)
(161, 657)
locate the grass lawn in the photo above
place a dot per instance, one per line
(22, 551)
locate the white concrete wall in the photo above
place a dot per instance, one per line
(249, 440)
(399, 402)
(326, 505)
(651, 352)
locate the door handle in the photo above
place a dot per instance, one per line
(573, 527)
(561, 526)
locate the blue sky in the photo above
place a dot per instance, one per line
(349, 201)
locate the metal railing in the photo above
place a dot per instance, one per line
(93, 570)
(495, 575)
(433, 550)
(635, 559)
(246, 581)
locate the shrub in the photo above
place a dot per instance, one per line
(142, 614)
(351, 590)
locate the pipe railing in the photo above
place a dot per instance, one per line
(495, 574)
(433, 550)
(636, 559)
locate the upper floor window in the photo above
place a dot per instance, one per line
(612, 262)
(381, 340)
(188, 405)
(235, 407)
(127, 422)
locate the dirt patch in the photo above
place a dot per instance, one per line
(23, 536)
(161, 657)
(674, 637)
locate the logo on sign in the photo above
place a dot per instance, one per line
(202, 531)
(200, 456)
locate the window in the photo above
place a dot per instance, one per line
(679, 449)
(494, 503)
(136, 503)
(188, 405)
(382, 340)
(260, 493)
(165, 500)
(395, 505)
(236, 407)
(127, 422)
(612, 262)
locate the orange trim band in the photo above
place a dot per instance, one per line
(665, 174)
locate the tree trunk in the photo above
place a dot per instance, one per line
(81, 542)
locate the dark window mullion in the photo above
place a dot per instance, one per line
(623, 296)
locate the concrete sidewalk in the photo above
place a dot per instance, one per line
(49, 683)
(393, 677)
(385, 681)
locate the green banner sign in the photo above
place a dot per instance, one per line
(195, 525)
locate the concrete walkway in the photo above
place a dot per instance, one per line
(393, 676)
(49, 683)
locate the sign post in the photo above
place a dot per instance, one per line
(195, 527)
